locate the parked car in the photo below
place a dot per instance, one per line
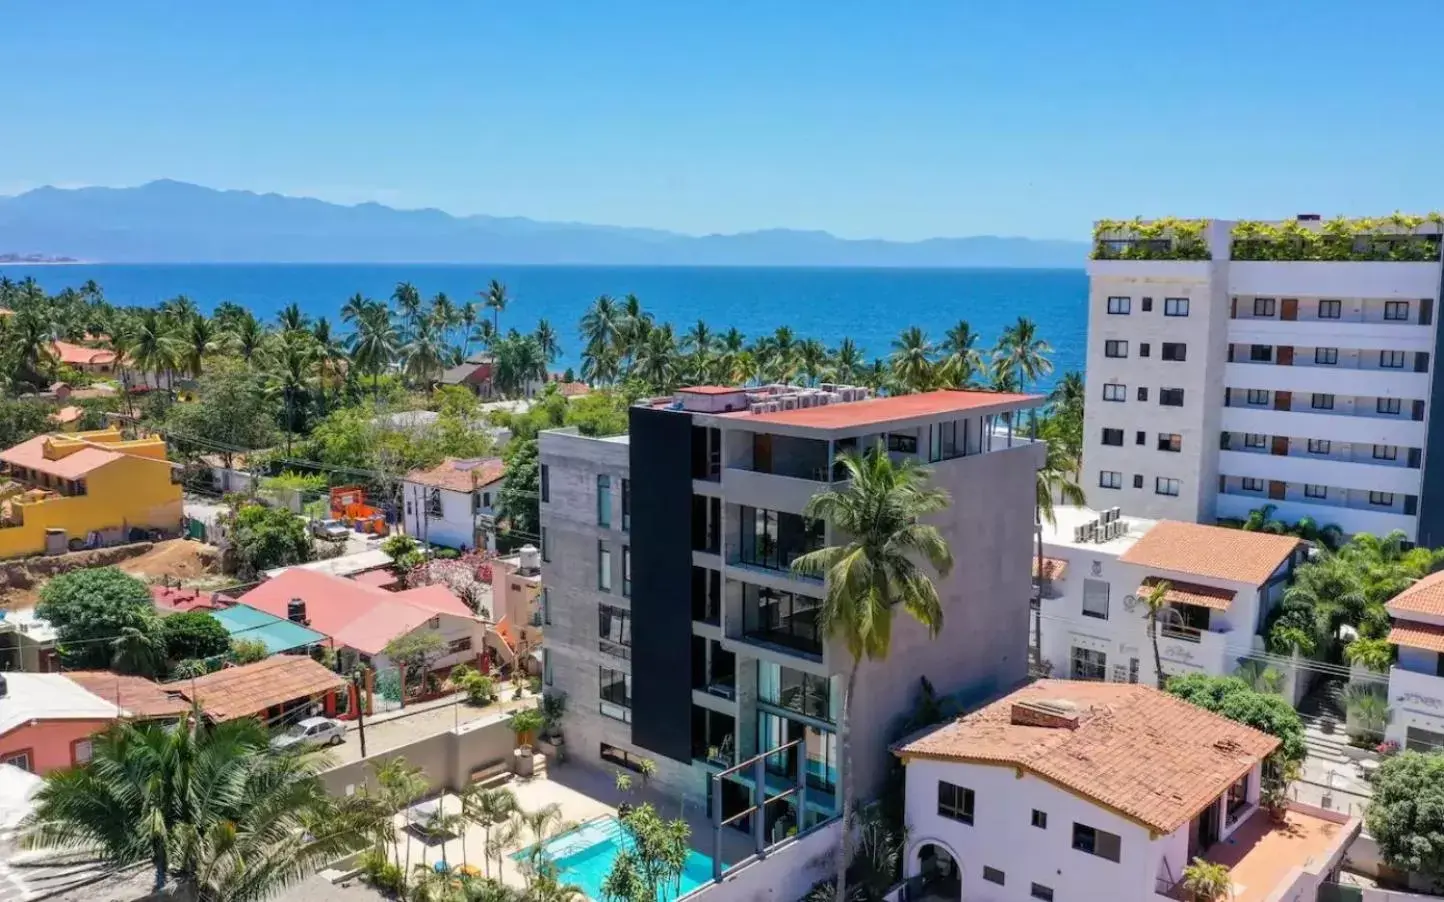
(312, 731)
(334, 530)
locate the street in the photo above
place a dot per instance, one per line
(394, 731)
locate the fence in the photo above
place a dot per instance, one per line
(1330, 798)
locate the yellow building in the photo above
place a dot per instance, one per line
(72, 489)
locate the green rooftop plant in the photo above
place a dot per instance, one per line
(1387, 238)
(1167, 238)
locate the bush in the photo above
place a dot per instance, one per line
(380, 871)
(267, 537)
(398, 546)
(1232, 698)
(248, 651)
(1406, 814)
(88, 608)
(193, 634)
(445, 554)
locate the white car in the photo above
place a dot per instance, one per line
(334, 530)
(312, 731)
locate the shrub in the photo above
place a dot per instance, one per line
(380, 871)
(445, 554)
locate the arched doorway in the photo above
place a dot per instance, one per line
(938, 877)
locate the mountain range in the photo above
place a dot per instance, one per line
(176, 222)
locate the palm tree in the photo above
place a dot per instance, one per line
(290, 357)
(291, 319)
(882, 563)
(119, 341)
(408, 303)
(157, 349)
(496, 300)
(487, 808)
(600, 365)
(467, 318)
(912, 363)
(1055, 479)
(811, 359)
(1156, 602)
(699, 338)
(375, 343)
(1021, 352)
(602, 325)
(212, 808)
(847, 361)
(179, 309)
(1067, 396)
(422, 356)
(400, 785)
(1207, 881)
(137, 651)
(354, 308)
(962, 361)
(247, 335)
(546, 339)
(444, 314)
(201, 338)
(330, 356)
(656, 361)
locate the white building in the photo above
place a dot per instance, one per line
(1218, 386)
(1095, 791)
(1416, 681)
(454, 503)
(1222, 585)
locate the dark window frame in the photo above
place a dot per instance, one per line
(956, 803)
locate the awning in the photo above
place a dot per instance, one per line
(1190, 593)
(1053, 568)
(1417, 635)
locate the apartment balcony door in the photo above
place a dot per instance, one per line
(1289, 309)
(1276, 490)
(1283, 400)
(762, 452)
(1281, 445)
(1284, 356)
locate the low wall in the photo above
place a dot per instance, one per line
(446, 759)
(1302, 884)
(787, 872)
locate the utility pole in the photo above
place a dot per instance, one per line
(358, 680)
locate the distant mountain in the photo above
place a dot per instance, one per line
(168, 221)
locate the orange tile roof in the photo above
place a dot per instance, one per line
(573, 389)
(881, 411)
(74, 354)
(1190, 593)
(1153, 758)
(1417, 635)
(457, 475)
(31, 455)
(1424, 597)
(68, 414)
(250, 689)
(1053, 568)
(142, 699)
(1212, 551)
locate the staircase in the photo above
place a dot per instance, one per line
(1325, 700)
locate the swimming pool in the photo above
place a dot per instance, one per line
(584, 857)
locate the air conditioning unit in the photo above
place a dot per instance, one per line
(1078, 533)
(789, 402)
(772, 407)
(804, 400)
(1115, 513)
(758, 408)
(829, 386)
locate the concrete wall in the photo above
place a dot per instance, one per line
(446, 759)
(454, 528)
(784, 875)
(50, 744)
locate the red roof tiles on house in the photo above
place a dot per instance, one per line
(1211, 551)
(1190, 593)
(881, 411)
(80, 355)
(457, 475)
(1424, 597)
(1417, 635)
(76, 465)
(141, 698)
(249, 690)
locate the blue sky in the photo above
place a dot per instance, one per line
(900, 120)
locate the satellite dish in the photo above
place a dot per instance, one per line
(1130, 602)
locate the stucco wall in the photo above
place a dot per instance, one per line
(127, 493)
(785, 875)
(446, 759)
(49, 742)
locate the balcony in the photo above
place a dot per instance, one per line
(1351, 520)
(1331, 333)
(615, 649)
(1312, 470)
(1189, 649)
(1335, 426)
(1327, 279)
(1375, 383)
(772, 490)
(1157, 270)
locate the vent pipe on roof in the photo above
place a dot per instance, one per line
(296, 611)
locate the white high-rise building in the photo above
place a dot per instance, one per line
(1219, 382)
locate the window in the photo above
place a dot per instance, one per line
(434, 509)
(1320, 446)
(457, 646)
(614, 631)
(1118, 305)
(626, 505)
(1110, 479)
(1257, 396)
(903, 444)
(1389, 406)
(1391, 360)
(1112, 391)
(1175, 306)
(546, 605)
(1097, 842)
(1237, 798)
(1254, 440)
(604, 501)
(545, 480)
(1326, 356)
(1170, 397)
(1140, 437)
(1112, 436)
(993, 875)
(1250, 484)
(626, 571)
(1261, 353)
(1040, 891)
(1322, 402)
(1088, 664)
(546, 548)
(1175, 350)
(616, 694)
(434, 622)
(955, 802)
(1383, 499)
(1170, 441)
(1396, 310)
(1138, 480)
(604, 567)
(1143, 349)
(18, 759)
(1330, 309)
(1315, 491)
(1386, 452)
(80, 751)
(1165, 486)
(622, 758)
(546, 666)
(1115, 348)
(1263, 306)
(1143, 394)
(1040, 819)
(1095, 598)
(1148, 305)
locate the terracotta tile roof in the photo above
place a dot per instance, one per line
(573, 389)
(1212, 551)
(1153, 758)
(881, 411)
(31, 455)
(172, 598)
(80, 355)
(1053, 568)
(68, 414)
(1424, 597)
(1190, 593)
(141, 698)
(1417, 635)
(460, 475)
(384, 578)
(250, 689)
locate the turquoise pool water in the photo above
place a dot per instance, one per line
(584, 857)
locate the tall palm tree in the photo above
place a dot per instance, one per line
(636, 324)
(422, 356)
(698, 338)
(1067, 396)
(354, 308)
(542, 823)
(137, 651)
(292, 319)
(157, 349)
(179, 309)
(1155, 602)
(119, 341)
(467, 317)
(375, 343)
(487, 808)
(882, 563)
(289, 364)
(247, 335)
(602, 324)
(1023, 354)
(408, 304)
(600, 365)
(444, 314)
(201, 338)
(519, 362)
(811, 360)
(400, 784)
(330, 356)
(847, 361)
(546, 339)
(212, 809)
(656, 361)
(496, 300)
(962, 361)
(912, 360)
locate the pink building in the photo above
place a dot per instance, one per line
(47, 721)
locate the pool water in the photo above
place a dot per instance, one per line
(584, 857)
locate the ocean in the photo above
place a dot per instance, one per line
(870, 305)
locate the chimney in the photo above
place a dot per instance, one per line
(296, 611)
(1058, 715)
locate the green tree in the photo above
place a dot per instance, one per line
(193, 634)
(22, 420)
(1406, 813)
(519, 501)
(882, 563)
(92, 608)
(649, 865)
(267, 537)
(912, 360)
(599, 413)
(1231, 697)
(211, 810)
(1024, 356)
(487, 808)
(415, 652)
(231, 410)
(248, 651)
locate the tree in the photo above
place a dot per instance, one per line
(400, 785)
(1207, 881)
(1406, 813)
(231, 410)
(22, 420)
(1023, 355)
(882, 563)
(248, 651)
(487, 808)
(193, 634)
(962, 362)
(496, 300)
(649, 866)
(1232, 698)
(519, 501)
(414, 653)
(599, 413)
(1155, 600)
(211, 809)
(912, 363)
(90, 609)
(267, 537)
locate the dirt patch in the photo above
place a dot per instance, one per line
(175, 561)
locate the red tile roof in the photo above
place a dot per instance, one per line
(1190, 593)
(142, 699)
(250, 689)
(1424, 597)
(460, 475)
(377, 579)
(1147, 755)
(31, 455)
(354, 614)
(1216, 552)
(710, 390)
(68, 414)
(881, 411)
(1053, 567)
(1417, 635)
(573, 389)
(79, 355)
(177, 599)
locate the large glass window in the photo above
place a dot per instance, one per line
(1095, 598)
(795, 690)
(604, 567)
(774, 540)
(1088, 664)
(782, 618)
(819, 747)
(614, 631)
(626, 571)
(626, 505)
(604, 501)
(616, 693)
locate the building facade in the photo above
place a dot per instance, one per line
(1218, 386)
(454, 504)
(676, 627)
(1416, 681)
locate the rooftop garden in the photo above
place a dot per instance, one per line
(1379, 239)
(1159, 239)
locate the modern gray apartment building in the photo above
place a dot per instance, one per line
(678, 631)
